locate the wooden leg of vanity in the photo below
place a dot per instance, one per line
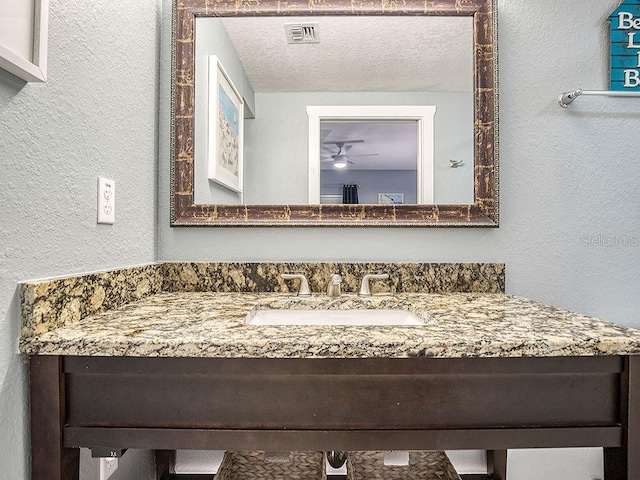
(165, 464)
(49, 460)
(624, 463)
(497, 464)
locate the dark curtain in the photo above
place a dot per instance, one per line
(350, 194)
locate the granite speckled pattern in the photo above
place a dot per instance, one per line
(206, 324)
(51, 304)
(404, 277)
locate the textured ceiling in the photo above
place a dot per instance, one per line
(357, 54)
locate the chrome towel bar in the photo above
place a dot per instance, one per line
(566, 98)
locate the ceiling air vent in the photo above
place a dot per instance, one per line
(302, 32)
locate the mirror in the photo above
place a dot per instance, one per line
(198, 201)
(291, 90)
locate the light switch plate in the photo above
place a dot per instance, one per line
(106, 201)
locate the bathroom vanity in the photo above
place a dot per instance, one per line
(112, 403)
(147, 359)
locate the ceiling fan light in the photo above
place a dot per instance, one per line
(340, 161)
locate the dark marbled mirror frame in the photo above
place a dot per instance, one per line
(483, 213)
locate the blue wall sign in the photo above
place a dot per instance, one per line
(625, 46)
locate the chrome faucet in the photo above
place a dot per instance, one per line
(304, 284)
(333, 289)
(365, 290)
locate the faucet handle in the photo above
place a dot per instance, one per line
(365, 291)
(304, 284)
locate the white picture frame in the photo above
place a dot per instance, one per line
(225, 128)
(390, 198)
(23, 38)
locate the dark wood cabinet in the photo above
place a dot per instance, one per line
(334, 404)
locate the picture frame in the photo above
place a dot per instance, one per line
(225, 128)
(24, 28)
(390, 198)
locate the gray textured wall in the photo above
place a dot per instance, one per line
(569, 182)
(96, 115)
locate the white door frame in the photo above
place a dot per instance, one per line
(423, 114)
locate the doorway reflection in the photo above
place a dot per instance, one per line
(368, 161)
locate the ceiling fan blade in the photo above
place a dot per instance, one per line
(344, 142)
(365, 155)
(349, 161)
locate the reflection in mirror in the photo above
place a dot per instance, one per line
(358, 61)
(368, 161)
(379, 128)
(276, 186)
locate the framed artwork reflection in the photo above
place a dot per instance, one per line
(391, 198)
(226, 118)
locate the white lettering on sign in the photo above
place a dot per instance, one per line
(626, 21)
(625, 54)
(631, 78)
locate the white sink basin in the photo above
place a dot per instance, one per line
(356, 317)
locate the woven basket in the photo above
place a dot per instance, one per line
(423, 465)
(257, 465)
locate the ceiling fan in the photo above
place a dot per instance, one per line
(340, 159)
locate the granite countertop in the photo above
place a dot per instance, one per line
(207, 324)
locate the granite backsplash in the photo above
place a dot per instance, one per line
(50, 304)
(403, 277)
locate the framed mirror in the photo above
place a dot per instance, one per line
(192, 201)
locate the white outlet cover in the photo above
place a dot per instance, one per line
(107, 467)
(106, 201)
